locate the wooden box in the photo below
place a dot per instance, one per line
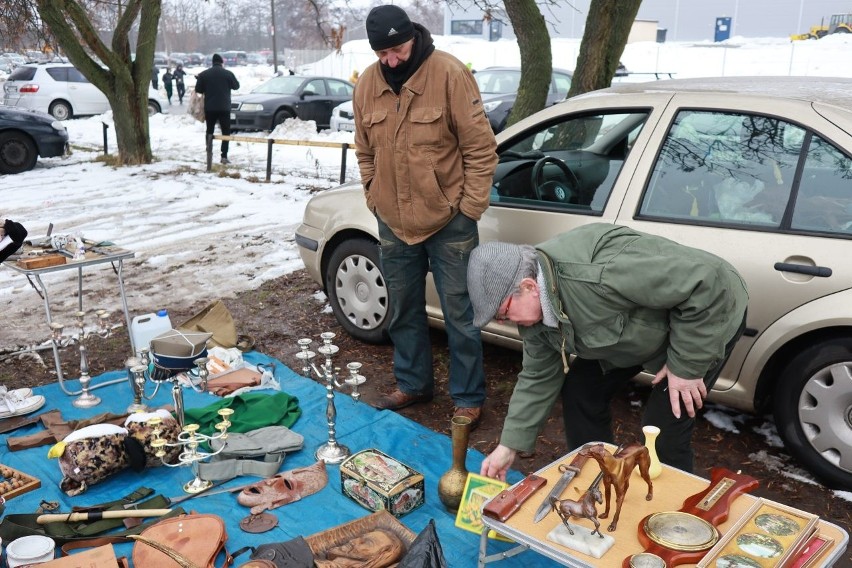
(321, 542)
(376, 481)
(43, 261)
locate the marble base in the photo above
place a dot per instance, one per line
(582, 540)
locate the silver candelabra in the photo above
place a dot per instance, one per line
(60, 339)
(331, 451)
(188, 440)
(139, 374)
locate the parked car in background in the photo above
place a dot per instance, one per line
(60, 90)
(234, 57)
(289, 96)
(6, 64)
(15, 58)
(499, 89)
(25, 135)
(756, 170)
(195, 58)
(256, 59)
(160, 59)
(177, 58)
(343, 118)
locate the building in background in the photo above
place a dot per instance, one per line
(679, 20)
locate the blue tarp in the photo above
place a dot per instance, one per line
(359, 427)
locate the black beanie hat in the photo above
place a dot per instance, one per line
(388, 26)
(217, 59)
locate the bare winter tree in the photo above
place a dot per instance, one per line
(536, 58)
(607, 27)
(111, 68)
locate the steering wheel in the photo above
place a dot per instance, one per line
(554, 190)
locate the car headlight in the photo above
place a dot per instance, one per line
(491, 106)
(251, 107)
(56, 125)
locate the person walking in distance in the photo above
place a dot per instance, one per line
(179, 74)
(167, 83)
(427, 156)
(216, 84)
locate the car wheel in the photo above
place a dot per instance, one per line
(61, 110)
(280, 117)
(357, 290)
(813, 409)
(153, 108)
(18, 153)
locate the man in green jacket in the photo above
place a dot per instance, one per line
(621, 301)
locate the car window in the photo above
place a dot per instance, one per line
(824, 199)
(74, 76)
(740, 169)
(561, 84)
(22, 74)
(58, 73)
(340, 89)
(317, 87)
(571, 164)
(501, 81)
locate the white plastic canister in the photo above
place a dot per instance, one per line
(146, 327)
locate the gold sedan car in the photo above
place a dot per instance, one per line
(754, 169)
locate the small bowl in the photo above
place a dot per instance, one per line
(33, 549)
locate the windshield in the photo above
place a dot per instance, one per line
(498, 82)
(287, 85)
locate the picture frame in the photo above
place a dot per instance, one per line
(477, 490)
(811, 553)
(768, 535)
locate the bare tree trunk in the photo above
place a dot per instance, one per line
(123, 81)
(536, 58)
(607, 27)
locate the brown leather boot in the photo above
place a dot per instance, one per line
(398, 399)
(474, 413)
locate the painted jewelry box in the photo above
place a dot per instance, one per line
(377, 481)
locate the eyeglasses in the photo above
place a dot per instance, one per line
(505, 314)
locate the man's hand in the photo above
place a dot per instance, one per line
(498, 462)
(691, 391)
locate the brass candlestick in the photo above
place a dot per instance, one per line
(331, 451)
(188, 440)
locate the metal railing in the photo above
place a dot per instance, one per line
(271, 142)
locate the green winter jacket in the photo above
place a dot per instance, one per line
(623, 298)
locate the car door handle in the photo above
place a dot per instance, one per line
(820, 271)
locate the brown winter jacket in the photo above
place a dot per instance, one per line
(426, 154)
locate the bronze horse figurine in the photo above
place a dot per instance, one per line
(582, 509)
(616, 470)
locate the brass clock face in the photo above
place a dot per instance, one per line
(680, 531)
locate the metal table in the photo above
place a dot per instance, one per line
(671, 489)
(113, 255)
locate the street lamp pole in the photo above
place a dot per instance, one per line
(274, 46)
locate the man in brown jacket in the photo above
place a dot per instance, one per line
(427, 155)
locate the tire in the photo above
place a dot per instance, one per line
(280, 117)
(813, 410)
(357, 290)
(18, 153)
(153, 108)
(61, 110)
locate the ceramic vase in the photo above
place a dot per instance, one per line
(651, 433)
(451, 484)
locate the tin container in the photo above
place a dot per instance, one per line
(377, 481)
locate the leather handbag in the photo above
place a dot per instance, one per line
(186, 541)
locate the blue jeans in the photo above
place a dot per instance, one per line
(405, 268)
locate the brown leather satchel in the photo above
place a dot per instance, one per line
(186, 541)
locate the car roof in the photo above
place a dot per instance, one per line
(510, 68)
(836, 91)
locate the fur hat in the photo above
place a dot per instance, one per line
(494, 271)
(217, 59)
(388, 26)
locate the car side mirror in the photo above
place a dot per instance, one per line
(307, 94)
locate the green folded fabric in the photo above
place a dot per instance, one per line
(252, 410)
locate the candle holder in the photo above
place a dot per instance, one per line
(79, 337)
(188, 440)
(332, 451)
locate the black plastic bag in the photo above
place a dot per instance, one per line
(425, 551)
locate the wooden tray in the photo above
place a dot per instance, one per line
(14, 482)
(321, 542)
